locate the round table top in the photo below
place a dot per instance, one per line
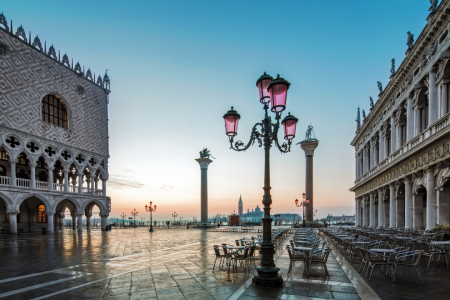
(383, 250)
(362, 242)
(403, 238)
(237, 247)
(429, 233)
(441, 242)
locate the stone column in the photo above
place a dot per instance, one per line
(381, 155)
(417, 120)
(80, 183)
(393, 134)
(356, 166)
(104, 220)
(80, 222)
(392, 206)
(61, 221)
(357, 212)
(433, 104)
(431, 200)
(88, 222)
(204, 162)
(410, 118)
(50, 221)
(12, 181)
(33, 175)
(372, 156)
(408, 204)
(372, 210)
(444, 96)
(366, 212)
(309, 146)
(12, 220)
(104, 186)
(96, 183)
(380, 208)
(364, 215)
(66, 181)
(399, 136)
(56, 222)
(74, 222)
(50, 179)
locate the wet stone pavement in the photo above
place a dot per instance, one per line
(167, 264)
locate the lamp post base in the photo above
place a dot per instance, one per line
(267, 277)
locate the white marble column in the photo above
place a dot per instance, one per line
(392, 206)
(357, 212)
(372, 210)
(433, 103)
(365, 218)
(33, 175)
(393, 134)
(66, 181)
(410, 118)
(56, 222)
(74, 222)
(12, 181)
(61, 221)
(104, 220)
(104, 186)
(50, 179)
(50, 222)
(381, 154)
(408, 204)
(431, 200)
(444, 96)
(380, 208)
(372, 156)
(88, 222)
(399, 136)
(12, 221)
(417, 121)
(80, 222)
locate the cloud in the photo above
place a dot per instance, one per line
(125, 180)
(167, 187)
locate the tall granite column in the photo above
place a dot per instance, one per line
(309, 146)
(204, 162)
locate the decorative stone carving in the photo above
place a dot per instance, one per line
(364, 115)
(65, 61)
(433, 7)
(410, 40)
(4, 51)
(80, 90)
(78, 68)
(52, 53)
(393, 66)
(89, 75)
(21, 33)
(4, 22)
(37, 44)
(371, 104)
(380, 87)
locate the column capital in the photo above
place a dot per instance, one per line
(62, 215)
(104, 215)
(204, 163)
(79, 215)
(13, 212)
(50, 213)
(309, 146)
(32, 165)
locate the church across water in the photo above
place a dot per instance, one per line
(256, 214)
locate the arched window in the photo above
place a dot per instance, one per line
(2, 171)
(54, 111)
(42, 214)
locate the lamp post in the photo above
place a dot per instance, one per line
(174, 215)
(265, 133)
(151, 210)
(134, 214)
(123, 219)
(130, 218)
(303, 204)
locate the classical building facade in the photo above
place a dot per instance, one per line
(53, 136)
(403, 146)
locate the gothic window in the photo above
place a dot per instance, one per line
(2, 171)
(54, 111)
(42, 214)
(3, 155)
(22, 159)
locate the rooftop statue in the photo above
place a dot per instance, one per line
(410, 40)
(393, 66)
(205, 153)
(364, 115)
(371, 103)
(434, 5)
(380, 87)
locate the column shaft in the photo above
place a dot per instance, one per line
(431, 200)
(12, 182)
(104, 187)
(88, 222)
(33, 175)
(433, 103)
(104, 221)
(50, 179)
(49, 222)
(80, 222)
(444, 102)
(381, 155)
(410, 118)
(393, 134)
(392, 206)
(372, 210)
(357, 212)
(380, 209)
(74, 222)
(66, 181)
(417, 120)
(80, 183)
(12, 222)
(309, 188)
(61, 221)
(408, 204)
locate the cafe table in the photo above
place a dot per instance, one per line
(307, 251)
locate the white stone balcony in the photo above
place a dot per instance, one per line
(56, 187)
(423, 139)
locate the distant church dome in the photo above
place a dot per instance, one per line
(257, 208)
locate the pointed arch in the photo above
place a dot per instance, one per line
(89, 205)
(47, 204)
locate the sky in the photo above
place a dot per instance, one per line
(177, 66)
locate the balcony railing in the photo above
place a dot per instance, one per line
(43, 185)
(440, 125)
(4, 180)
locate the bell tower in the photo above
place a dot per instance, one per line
(241, 208)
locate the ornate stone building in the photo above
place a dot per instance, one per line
(403, 146)
(53, 136)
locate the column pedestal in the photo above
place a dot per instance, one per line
(204, 163)
(309, 146)
(50, 222)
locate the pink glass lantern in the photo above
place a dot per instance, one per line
(289, 125)
(304, 196)
(296, 201)
(278, 92)
(231, 122)
(262, 83)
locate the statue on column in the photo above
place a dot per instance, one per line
(205, 153)
(393, 66)
(434, 5)
(309, 131)
(371, 104)
(410, 40)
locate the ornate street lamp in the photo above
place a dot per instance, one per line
(174, 215)
(266, 133)
(134, 214)
(303, 204)
(123, 219)
(151, 210)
